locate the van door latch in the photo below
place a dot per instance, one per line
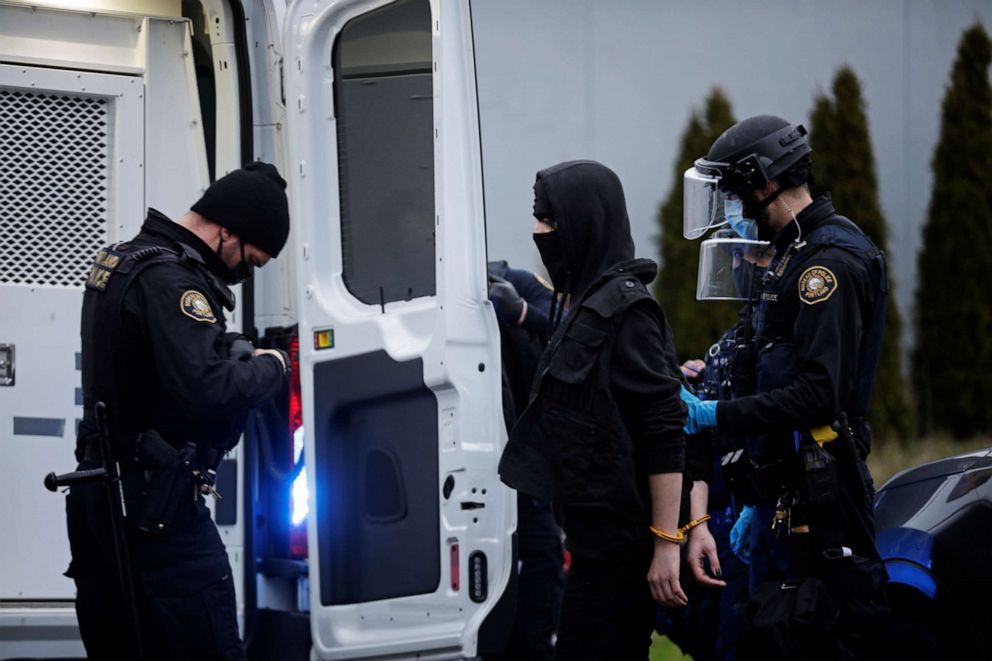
(6, 364)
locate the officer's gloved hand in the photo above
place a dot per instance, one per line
(279, 355)
(239, 347)
(740, 535)
(701, 414)
(510, 307)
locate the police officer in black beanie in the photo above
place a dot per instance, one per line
(177, 388)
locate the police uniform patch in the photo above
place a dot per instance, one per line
(104, 265)
(816, 284)
(195, 306)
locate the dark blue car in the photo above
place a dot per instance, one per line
(934, 531)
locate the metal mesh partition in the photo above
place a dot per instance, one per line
(55, 151)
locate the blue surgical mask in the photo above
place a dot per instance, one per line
(734, 212)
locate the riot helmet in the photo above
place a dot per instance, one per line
(743, 159)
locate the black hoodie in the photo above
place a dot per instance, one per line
(586, 201)
(636, 362)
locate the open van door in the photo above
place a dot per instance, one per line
(410, 531)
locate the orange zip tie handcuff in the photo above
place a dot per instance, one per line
(679, 535)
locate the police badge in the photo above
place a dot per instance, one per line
(816, 284)
(195, 306)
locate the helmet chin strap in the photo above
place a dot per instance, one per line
(765, 203)
(756, 208)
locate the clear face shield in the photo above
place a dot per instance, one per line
(731, 268)
(702, 207)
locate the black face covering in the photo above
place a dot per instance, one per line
(585, 200)
(239, 273)
(549, 245)
(747, 279)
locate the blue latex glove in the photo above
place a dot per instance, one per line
(740, 535)
(701, 413)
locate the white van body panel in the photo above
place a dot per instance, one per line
(452, 332)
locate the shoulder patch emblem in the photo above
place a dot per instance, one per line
(104, 265)
(195, 306)
(816, 284)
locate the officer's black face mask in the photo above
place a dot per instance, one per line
(239, 273)
(549, 245)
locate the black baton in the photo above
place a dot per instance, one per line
(109, 475)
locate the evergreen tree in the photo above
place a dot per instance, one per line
(696, 324)
(952, 363)
(843, 163)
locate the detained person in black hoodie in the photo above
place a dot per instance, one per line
(602, 434)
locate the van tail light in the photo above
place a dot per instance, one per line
(299, 496)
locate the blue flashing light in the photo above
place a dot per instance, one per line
(300, 495)
(300, 491)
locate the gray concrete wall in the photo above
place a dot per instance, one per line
(616, 81)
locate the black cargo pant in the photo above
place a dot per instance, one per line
(607, 613)
(540, 583)
(183, 582)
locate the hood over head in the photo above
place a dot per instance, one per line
(587, 203)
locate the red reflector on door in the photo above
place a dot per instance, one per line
(455, 568)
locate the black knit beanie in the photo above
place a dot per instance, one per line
(251, 202)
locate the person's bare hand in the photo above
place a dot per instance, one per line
(702, 547)
(663, 575)
(693, 370)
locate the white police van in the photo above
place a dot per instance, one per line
(364, 518)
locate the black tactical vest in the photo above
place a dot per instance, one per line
(571, 445)
(778, 311)
(117, 367)
(777, 361)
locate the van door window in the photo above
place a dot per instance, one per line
(385, 124)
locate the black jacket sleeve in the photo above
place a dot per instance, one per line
(699, 451)
(645, 382)
(190, 352)
(538, 299)
(827, 336)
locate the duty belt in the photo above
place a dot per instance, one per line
(88, 447)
